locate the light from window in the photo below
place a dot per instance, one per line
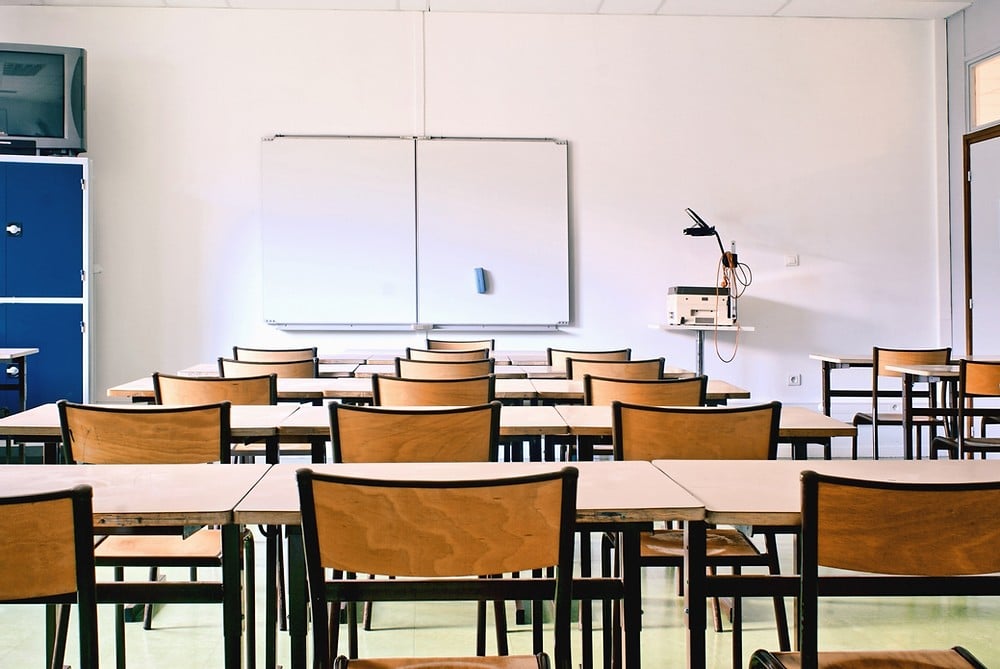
(986, 91)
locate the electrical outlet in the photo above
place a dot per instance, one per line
(795, 379)
(792, 260)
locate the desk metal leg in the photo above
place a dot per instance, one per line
(632, 602)
(694, 593)
(907, 400)
(232, 609)
(297, 597)
(699, 353)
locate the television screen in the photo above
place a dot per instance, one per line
(32, 94)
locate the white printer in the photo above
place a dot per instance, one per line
(700, 305)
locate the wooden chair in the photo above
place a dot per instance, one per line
(394, 391)
(187, 390)
(273, 354)
(895, 539)
(577, 368)
(384, 434)
(47, 556)
(642, 432)
(451, 355)
(556, 357)
(977, 381)
(656, 392)
(287, 369)
(881, 359)
(463, 345)
(433, 369)
(480, 528)
(105, 434)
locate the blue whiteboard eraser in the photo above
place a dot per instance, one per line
(480, 280)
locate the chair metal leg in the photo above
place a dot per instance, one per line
(61, 633)
(120, 625)
(780, 615)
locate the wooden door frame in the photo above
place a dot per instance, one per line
(992, 132)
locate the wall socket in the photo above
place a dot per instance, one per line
(795, 379)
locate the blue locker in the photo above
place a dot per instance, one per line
(44, 294)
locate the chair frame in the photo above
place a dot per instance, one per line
(731, 449)
(433, 392)
(429, 587)
(854, 524)
(971, 388)
(652, 368)
(426, 369)
(881, 358)
(245, 354)
(84, 593)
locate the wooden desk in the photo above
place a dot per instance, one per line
(798, 426)
(41, 423)
(718, 392)
(141, 390)
(828, 363)
(15, 366)
(211, 369)
(931, 375)
(500, 371)
(159, 495)
(768, 492)
(623, 496)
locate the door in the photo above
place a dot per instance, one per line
(56, 330)
(982, 242)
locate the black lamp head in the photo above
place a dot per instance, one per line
(700, 227)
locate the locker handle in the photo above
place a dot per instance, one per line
(14, 229)
(13, 370)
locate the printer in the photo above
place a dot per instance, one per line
(700, 305)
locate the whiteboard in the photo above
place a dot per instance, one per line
(387, 232)
(499, 205)
(338, 237)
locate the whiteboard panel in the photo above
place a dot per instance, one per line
(500, 205)
(338, 235)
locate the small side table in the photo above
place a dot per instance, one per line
(15, 371)
(700, 331)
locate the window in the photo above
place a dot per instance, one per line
(985, 91)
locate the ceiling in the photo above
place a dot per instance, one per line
(893, 9)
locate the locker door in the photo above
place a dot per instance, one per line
(43, 257)
(56, 371)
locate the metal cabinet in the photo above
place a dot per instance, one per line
(44, 277)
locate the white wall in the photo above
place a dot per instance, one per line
(813, 137)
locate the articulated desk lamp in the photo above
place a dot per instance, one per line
(735, 275)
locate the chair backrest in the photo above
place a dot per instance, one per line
(285, 369)
(452, 355)
(480, 527)
(977, 380)
(170, 389)
(556, 357)
(394, 391)
(884, 357)
(577, 368)
(385, 434)
(273, 354)
(434, 369)
(935, 535)
(462, 345)
(643, 432)
(657, 392)
(47, 555)
(102, 434)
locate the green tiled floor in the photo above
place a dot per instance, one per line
(190, 636)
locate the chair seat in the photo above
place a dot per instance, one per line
(894, 418)
(147, 549)
(498, 662)
(979, 445)
(720, 543)
(901, 659)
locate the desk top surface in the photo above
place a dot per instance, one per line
(126, 495)
(612, 492)
(12, 353)
(769, 492)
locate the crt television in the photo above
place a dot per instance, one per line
(42, 106)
